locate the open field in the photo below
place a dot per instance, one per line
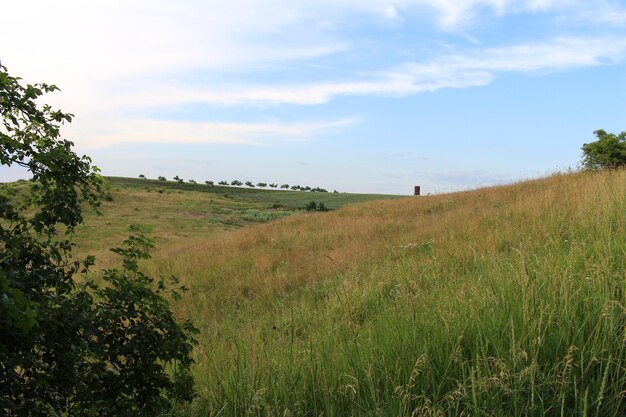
(173, 212)
(503, 301)
(272, 197)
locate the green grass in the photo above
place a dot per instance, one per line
(270, 197)
(175, 212)
(503, 301)
(507, 301)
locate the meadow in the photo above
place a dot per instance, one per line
(501, 301)
(171, 212)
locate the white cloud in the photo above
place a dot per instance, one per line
(107, 41)
(114, 58)
(183, 132)
(473, 68)
(606, 14)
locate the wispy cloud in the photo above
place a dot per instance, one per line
(450, 14)
(182, 132)
(472, 68)
(113, 59)
(110, 41)
(604, 15)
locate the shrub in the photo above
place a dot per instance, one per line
(69, 347)
(314, 206)
(609, 151)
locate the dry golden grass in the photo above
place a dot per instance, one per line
(492, 292)
(273, 259)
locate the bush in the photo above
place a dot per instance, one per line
(314, 206)
(310, 206)
(609, 151)
(68, 347)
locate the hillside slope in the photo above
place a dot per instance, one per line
(173, 212)
(504, 301)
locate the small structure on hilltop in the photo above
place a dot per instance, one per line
(416, 190)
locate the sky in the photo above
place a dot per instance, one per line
(359, 96)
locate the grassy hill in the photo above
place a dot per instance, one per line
(172, 211)
(503, 301)
(271, 197)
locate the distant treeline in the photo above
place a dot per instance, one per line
(237, 183)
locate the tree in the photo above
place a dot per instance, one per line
(261, 184)
(208, 182)
(178, 179)
(284, 186)
(192, 181)
(249, 184)
(143, 177)
(236, 183)
(273, 185)
(68, 347)
(223, 183)
(609, 151)
(162, 178)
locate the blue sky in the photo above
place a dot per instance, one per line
(359, 96)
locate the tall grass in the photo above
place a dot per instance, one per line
(504, 301)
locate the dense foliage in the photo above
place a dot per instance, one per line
(70, 347)
(609, 151)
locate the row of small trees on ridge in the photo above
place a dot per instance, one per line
(250, 184)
